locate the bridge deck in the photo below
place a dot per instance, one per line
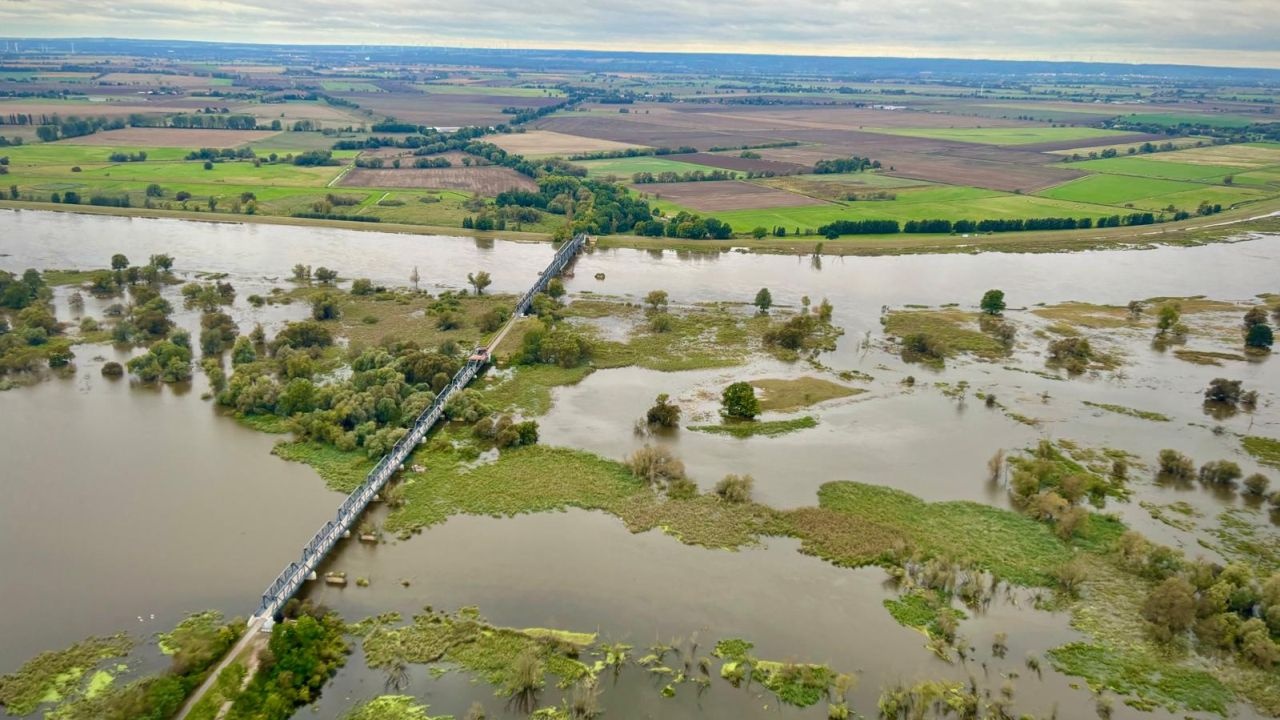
(288, 582)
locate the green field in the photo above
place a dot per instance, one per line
(432, 89)
(1167, 169)
(952, 203)
(1002, 136)
(624, 168)
(1217, 120)
(67, 154)
(1147, 193)
(349, 86)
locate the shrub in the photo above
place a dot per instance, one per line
(663, 413)
(1220, 472)
(448, 321)
(923, 345)
(656, 466)
(661, 323)
(112, 369)
(1224, 390)
(735, 488)
(362, 286)
(1174, 464)
(1257, 484)
(1072, 353)
(1171, 607)
(325, 307)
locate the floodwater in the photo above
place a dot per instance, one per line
(120, 501)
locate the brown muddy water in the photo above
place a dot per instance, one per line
(119, 501)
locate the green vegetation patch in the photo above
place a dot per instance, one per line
(1265, 450)
(341, 470)
(751, 428)
(528, 388)
(949, 331)
(537, 478)
(798, 684)
(1207, 357)
(920, 609)
(1011, 545)
(56, 278)
(1151, 683)
(793, 394)
(468, 640)
(391, 707)
(226, 688)
(49, 676)
(1245, 541)
(706, 336)
(624, 168)
(1131, 412)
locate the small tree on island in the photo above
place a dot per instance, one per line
(993, 302)
(764, 300)
(1260, 337)
(325, 276)
(479, 281)
(739, 401)
(1168, 318)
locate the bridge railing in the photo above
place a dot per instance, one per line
(291, 578)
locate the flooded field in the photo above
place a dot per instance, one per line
(122, 501)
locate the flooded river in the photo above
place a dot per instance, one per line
(119, 502)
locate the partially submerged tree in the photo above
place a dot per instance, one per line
(993, 302)
(1174, 464)
(1259, 337)
(656, 300)
(735, 488)
(479, 281)
(739, 401)
(663, 413)
(764, 300)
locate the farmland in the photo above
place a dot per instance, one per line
(1004, 136)
(1035, 152)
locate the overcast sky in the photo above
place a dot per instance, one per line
(1218, 32)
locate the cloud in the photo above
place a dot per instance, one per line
(1239, 32)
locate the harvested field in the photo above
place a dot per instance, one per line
(730, 161)
(978, 173)
(544, 143)
(716, 196)
(161, 80)
(439, 110)
(480, 180)
(840, 188)
(846, 118)
(172, 137)
(620, 128)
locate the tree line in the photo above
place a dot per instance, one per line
(669, 176)
(940, 226)
(850, 164)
